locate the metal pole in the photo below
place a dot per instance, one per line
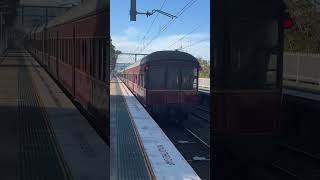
(133, 10)
(135, 58)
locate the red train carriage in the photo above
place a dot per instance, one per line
(247, 67)
(74, 50)
(164, 81)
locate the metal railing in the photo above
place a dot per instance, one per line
(301, 70)
(204, 83)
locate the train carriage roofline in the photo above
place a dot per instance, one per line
(85, 9)
(164, 55)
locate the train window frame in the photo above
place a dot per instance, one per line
(63, 50)
(90, 59)
(99, 60)
(87, 62)
(271, 28)
(178, 73)
(78, 53)
(70, 51)
(194, 82)
(104, 60)
(153, 69)
(67, 51)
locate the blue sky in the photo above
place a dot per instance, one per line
(190, 31)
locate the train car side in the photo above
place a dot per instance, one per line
(74, 52)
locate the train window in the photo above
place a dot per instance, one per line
(251, 53)
(173, 77)
(100, 59)
(63, 50)
(66, 54)
(93, 56)
(70, 51)
(139, 79)
(143, 84)
(104, 60)
(159, 81)
(271, 79)
(87, 54)
(76, 57)
(53, 48)
(49, 50)
(56, 48)
(188, 78)
(84, 56)
(67, 51)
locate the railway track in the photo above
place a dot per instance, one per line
(201, 113)
(297, 164)
(193, 148)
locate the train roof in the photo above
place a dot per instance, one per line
(85, 8)
(162, 55)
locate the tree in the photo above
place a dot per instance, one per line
(205, 68)
(113, 56)
(304, 36)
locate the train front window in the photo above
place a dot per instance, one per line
(157, 76)
(173, 77)
(189, 78)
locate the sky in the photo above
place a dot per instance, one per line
(189, 31)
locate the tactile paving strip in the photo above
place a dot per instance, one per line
(130, 161)
(38, 156)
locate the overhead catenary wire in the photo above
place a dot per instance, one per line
(147, 32)
(197, 42)
(165, 27)
(184, 36)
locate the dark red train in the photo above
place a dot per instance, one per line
(74, 49)
(164, 81)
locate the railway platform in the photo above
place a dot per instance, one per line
(140, 149)
(43, 135)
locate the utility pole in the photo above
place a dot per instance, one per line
(134, 12)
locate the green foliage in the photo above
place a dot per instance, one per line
(113, 56)
(304, 36)
(205, 68)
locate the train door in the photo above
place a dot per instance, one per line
(246, 83)
(248, 45)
